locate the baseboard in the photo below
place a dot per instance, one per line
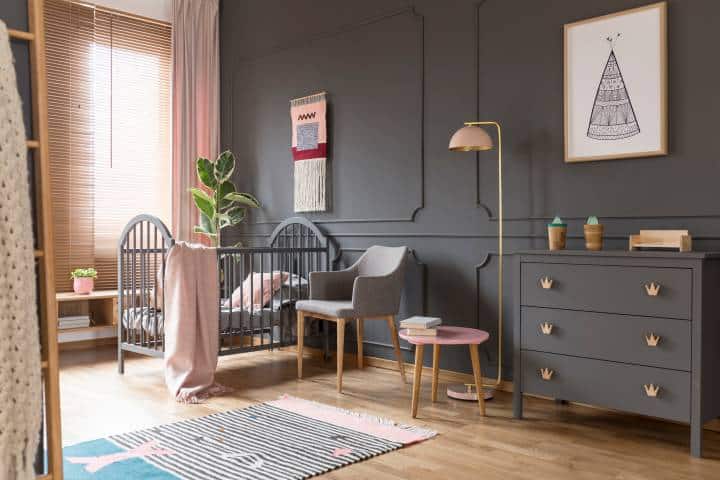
(445, 376)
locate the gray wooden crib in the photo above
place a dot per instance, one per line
(296, 248)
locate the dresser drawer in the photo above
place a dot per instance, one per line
(608, 384)
(605, 288)
(655, 342)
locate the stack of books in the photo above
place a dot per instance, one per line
(74, 321)
(421, 326)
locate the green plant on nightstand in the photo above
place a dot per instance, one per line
(83, 279)
(220, 204)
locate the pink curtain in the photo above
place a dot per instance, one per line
(196, 103)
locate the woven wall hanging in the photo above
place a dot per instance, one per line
(309, 151)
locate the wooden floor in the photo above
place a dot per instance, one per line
(553, 442)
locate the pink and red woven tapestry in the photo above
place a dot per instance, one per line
(309, 151)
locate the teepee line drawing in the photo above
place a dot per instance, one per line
(613, 116)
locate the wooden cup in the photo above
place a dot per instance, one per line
(593, 236)
(556, 236)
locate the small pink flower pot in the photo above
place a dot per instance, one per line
(83, 284)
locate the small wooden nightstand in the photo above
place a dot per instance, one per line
(101, 306)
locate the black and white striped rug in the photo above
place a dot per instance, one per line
(289, 438)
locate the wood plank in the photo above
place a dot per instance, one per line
(46, 264)
(20, 34)
(95, 295)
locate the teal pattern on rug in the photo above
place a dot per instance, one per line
(260, 442)
(126, 469)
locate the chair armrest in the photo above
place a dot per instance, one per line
(377, 295)
(332, 285)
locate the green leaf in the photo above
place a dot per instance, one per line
(203, 202)
(201, 230)
(236, 215)
(223, 190)
(224, 166)
(223, 220)
(207, 224)
(243, 199)
(205, 172)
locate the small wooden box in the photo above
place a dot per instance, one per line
(677, 240)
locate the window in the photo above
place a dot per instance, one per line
(109, 126)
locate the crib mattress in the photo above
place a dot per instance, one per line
(146, 318)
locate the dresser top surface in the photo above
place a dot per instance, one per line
(621, 253)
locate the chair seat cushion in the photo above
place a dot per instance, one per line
(330, 308)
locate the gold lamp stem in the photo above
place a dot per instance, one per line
(498, 381)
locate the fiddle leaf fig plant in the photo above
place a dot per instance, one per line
(219, 203)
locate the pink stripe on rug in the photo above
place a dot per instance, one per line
(359, 422)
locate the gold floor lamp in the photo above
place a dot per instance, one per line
(473, 138)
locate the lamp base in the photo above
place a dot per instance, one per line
(467, 391)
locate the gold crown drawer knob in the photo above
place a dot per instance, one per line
(546, 283)
(546, 373)
(546, 328)
(652, 340)
(651, 390)
(652, 289)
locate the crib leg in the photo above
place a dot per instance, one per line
(121, 360)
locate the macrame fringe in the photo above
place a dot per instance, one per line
(420, 432)
(310, 185)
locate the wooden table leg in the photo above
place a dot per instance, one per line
(300, 341)
(340, 351)
(436, 371)
(359, 329)
(417, 378)
(477, 373)
(396, 345)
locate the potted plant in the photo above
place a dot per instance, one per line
(83, 280)
(219, 203)
(593, 230)
(557, 233)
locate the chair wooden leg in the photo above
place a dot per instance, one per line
(435, 371)
(300, 341)
(359, 329)
(477, 373)
(340, 351)
(396, 344)
(417, 378)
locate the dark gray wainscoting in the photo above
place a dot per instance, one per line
(402, 76)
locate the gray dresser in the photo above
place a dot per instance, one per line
(632, 331)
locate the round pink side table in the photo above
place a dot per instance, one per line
(446, 335)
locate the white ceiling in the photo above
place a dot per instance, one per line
(157, 9)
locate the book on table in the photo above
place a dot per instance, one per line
(421, 332)
(418, 322)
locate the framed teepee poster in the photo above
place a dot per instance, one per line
(616, 85)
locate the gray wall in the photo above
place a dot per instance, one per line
(14, 14)
(402, 76)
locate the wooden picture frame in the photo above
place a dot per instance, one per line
(627, 116)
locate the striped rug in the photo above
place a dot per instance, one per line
(289, 438)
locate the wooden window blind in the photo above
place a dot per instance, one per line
(109, 97)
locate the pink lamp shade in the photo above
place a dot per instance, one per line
(470, 138)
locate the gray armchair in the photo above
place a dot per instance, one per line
(371, 288)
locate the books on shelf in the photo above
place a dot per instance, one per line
(421, 326)
(74, 321)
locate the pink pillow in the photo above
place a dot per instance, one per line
(263, 285)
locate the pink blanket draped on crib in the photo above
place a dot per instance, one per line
(191, 323)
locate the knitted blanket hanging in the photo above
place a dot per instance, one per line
(309, 151)
(20, 378)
